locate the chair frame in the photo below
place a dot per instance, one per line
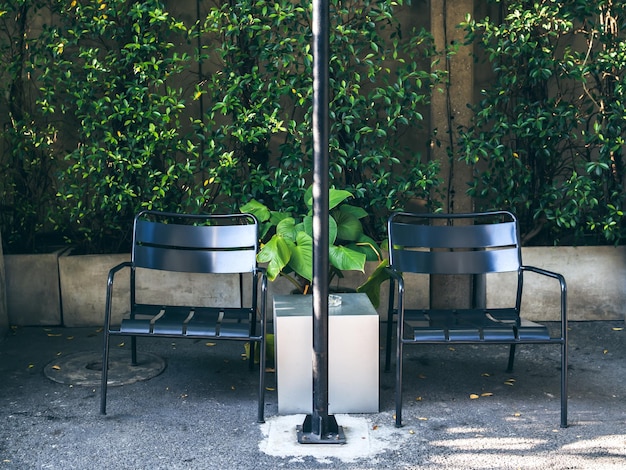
(439, 247)
(209, 244)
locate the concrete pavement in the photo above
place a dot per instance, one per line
(200, 411)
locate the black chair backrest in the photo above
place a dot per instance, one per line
(454, 243)
(195, 243)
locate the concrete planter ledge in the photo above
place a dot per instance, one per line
(595, 276)
(59, 289)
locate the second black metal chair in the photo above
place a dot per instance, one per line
(464, 245)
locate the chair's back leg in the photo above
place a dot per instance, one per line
(133, 349)
(509, 368)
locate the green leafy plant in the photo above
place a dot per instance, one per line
(109, 71)
(259, 104)
(547, 139)
(126, 107)
(29, 148)
(287, 240)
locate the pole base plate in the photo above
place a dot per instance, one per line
(333, 435)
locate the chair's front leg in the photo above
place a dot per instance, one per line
(133, 349)
(390, 312)
(105, 373)
(399, 350)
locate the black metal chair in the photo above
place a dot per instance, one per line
(463, 244)
(209, 244)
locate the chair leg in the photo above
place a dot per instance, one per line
(388, 341)
(564, 384)
(105, 373)
(261, 414)
(511, 358)
(390, 313)
(399, 384)
(133, 347)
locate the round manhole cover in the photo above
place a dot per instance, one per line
(85, 368)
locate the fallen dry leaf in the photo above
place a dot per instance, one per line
(55, 367)
(210, 344)
(270, 389)
(485, 374)
(473, 396)
(517, 414)
(422, 419)
(606, 351)
(418, 398)
(486, 394)
(618, 329)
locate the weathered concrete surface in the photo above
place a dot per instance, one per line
(33, 296)
(595, 278)
(84, 279)
(461, 410)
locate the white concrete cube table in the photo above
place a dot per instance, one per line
(353, 355)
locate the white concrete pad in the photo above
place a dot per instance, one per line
(364, 440)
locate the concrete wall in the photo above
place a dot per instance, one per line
(33, 296)
(595, 276)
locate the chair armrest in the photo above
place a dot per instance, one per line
(394, 274)
(115, 269)
(562, 283)
(110, 278)
(262, 272)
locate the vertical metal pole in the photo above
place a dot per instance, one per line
(319, 427)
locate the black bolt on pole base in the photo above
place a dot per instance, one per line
(333, 435)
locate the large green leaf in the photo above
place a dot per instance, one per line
(335, 197)
(286, 228)
(343, 258)
(357, 212)
(257, 209)
(371, 287)
(276, 253)
(301, 260)
(349, 228)
(367, 245)
(276, 217)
